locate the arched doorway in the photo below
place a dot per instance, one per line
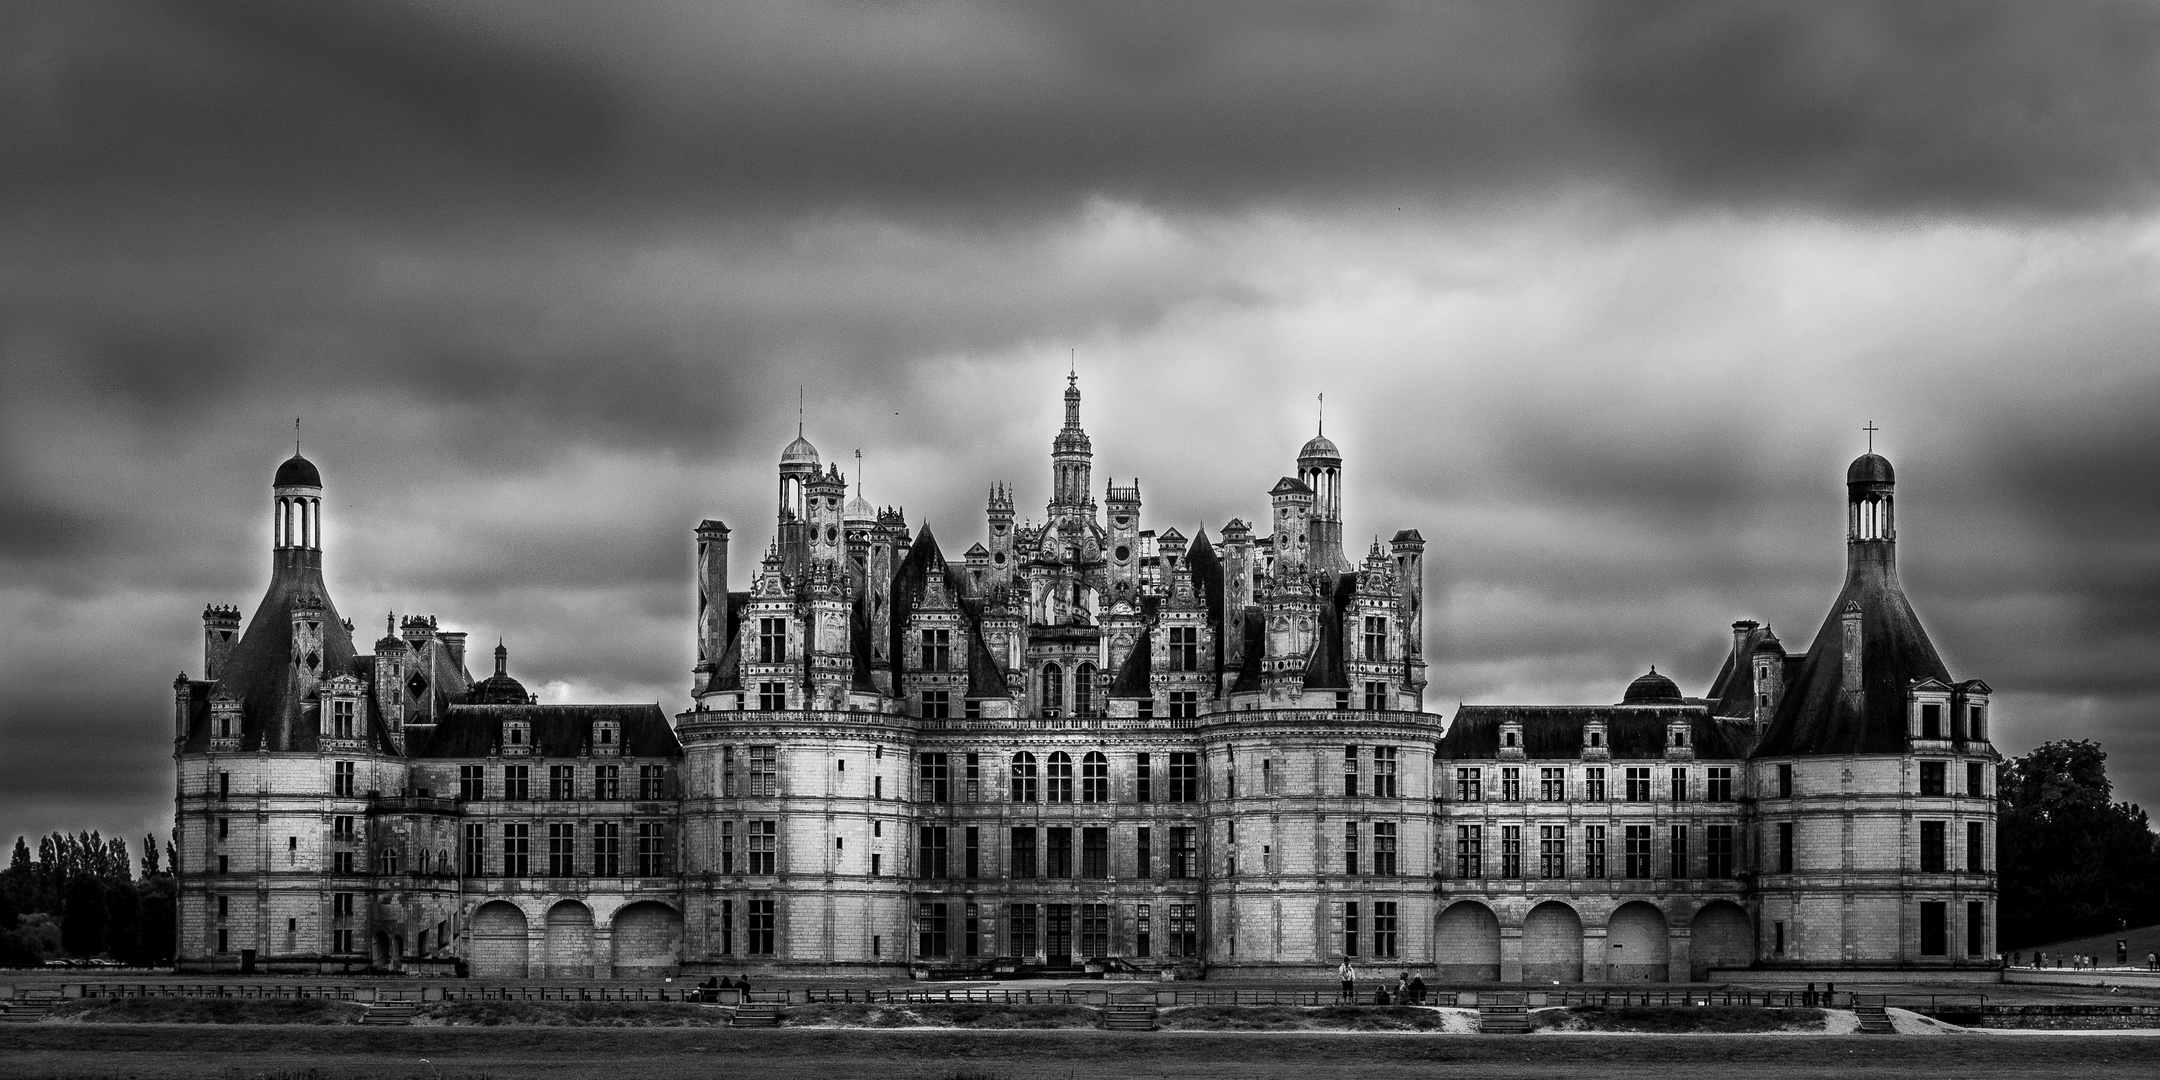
(1552, 944)
(1636, 949)
(498, 941)
(1467, 943)
(569, 941)
(1723, 937)
(648, 941)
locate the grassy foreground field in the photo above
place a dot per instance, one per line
(242, 1052)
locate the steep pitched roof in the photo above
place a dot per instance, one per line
(1135, 676)
(1816, 716)
(262, 672)
(1325, 668)
(1632, 732)
(1207, 578)
(472, 731)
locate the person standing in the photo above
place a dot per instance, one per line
(1402, 987)
(1348, 975)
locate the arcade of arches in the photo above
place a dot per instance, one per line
(1636, 941)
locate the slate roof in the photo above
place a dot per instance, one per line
(261, 671)
(1632, 732)
(1133, 676)
(558, 731)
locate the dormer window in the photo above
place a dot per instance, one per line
(607, 737)
(517, 737)
(1510, 739)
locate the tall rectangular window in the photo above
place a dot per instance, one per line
(607, 782)
(1511, 784)
(764, 771)
(727, 773)
(1931, 721)
(1094, 930)
(930, 930)
(1718, 787)
(1552, 851)
(1020, 859)
(1383, 772)
(1143, 930)
(1184, 930)
(972, 785)
(1719, 852)
(1510, 851)
(764, 847)
(475, 849)
(1349, 847)
(933, 778)
(772, 641)
(1350, 928)
(1679, 784)
(1469, 851)
(517, 842)
(1593, 784)
(971, 852)
(727, 927)
(1784, 781)
(1638, 851)
(652, 782)
(1143, 854)
(1469, 785)
(932, 857)
(1974, 780)
(1058, 852)
(1184, 852)
(1021, 929)
(1143, 786)
(561, 849)
(652, 849)
(1094, 778)
(1975, 848)
(607, 849)
(1349, 772)
(1384, 849)
(1934, 928)
(1184, 649)
(1058, 781)
(341, 718)
(342, 784)
(1676, 850)
(517, 782)
(1094, 853)
(772, 696)
(971, 943)
(1593, 851)
(560, 781)
(1934, 858)
(1184, 776)
(1375, 651)
(1784, 847)
(1975, 928)
(727, 847)
(1638, 783)
(1934, 778)
(936, 650)
(763, 928)
(1552, 785)
(1385, 918)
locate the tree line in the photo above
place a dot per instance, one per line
(85, 897)
(2072, 861)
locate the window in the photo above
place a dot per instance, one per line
(936, 704)
(764, 847)
(341, 718)
(652, 849)
(1975, 928)
(341, 783)
(224, 785)
(971, 788)
(1383, 769)
(341, 906)
(1975, 727)
(607, 782)
(1676, 851)
(1784, 781)
(1084, 690)
(727, 927)
(1230, 847)
(937, 655)
(1376, 697)
(1974, 782)
(972, 857)
(1779, 932)
(1931, 721)
(517, 839)
(1094, 778)
(560, 779)
(877, 787)
(1021, 862)
(1143, 787)
(1594, 851)
(1024, 780)
(1384, 848)
(1184, 704)
(1349, 771)
(1552, 785)
(1934, 778)
(1593, 784)
(727, 847)
(1184, 855)
(1718, 787)
(516, 781)
(561, 848)
(1184, 776)
(1094, 930)
(930, 928)
(932, 856)
(1469, 785)
(1784, 847)
(1375, 640)
(1511, 784)
(1638, 783)
(1143, 918)
(1184, 649)
(772, 641)
(1469, 851)
(606, 849)
(475, 849)
(1510, 851)
(761, 928)
(1552, 851)
(1349, 847)
(972, 944)
(1679, 785)
(652, 782)
(341, 828)
(1350, 928)
(933, 778)
(1020, 929)
(1059, 789)
(1053, 689)
(1184, 930)
(1934, 836)
(727, 773)
(1638, 851)
(1095, 853)
(1934, 928)
(1058, 852)
(471, 782)
(764, 771)
(1720, 854)
(1975, 848)
(772, 696)
(1384, 921)
(341, 863)
(1143, 854)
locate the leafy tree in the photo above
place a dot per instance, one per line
(160, 917)
(149, 856)
(2072, 862)
(82, 917)
(123, 921)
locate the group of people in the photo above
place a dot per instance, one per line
(709, 990)
(2080, 961)
(1409, 989)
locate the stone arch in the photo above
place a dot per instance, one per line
(499, 946)
(569, 941)
(1466, 943)
(1636, 945)
(1723, 937)
(647, 940)
(1552, 944)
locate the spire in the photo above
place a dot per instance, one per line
(502, 658)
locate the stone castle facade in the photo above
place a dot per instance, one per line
(1082, 746)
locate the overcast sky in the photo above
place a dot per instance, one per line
(1600, 296)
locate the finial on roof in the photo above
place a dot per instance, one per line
(296, 436)
(1871, 429)
(798, 411)
(1322, 430)
(858, 471)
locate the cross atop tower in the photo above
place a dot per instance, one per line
(1871, 429)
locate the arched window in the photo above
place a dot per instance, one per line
(1084, 690)
(1053, 689)
(1023, 777)
(1094, 777)
(1061, 777)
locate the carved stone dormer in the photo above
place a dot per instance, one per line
(1511, 741)
(1679, 741)
(1596, 746)
(224, 722)
(344, 720)
(1930, 715)
(606, 738)
(517, 738)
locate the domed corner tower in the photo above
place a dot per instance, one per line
(277, 755)
(1874, 780)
